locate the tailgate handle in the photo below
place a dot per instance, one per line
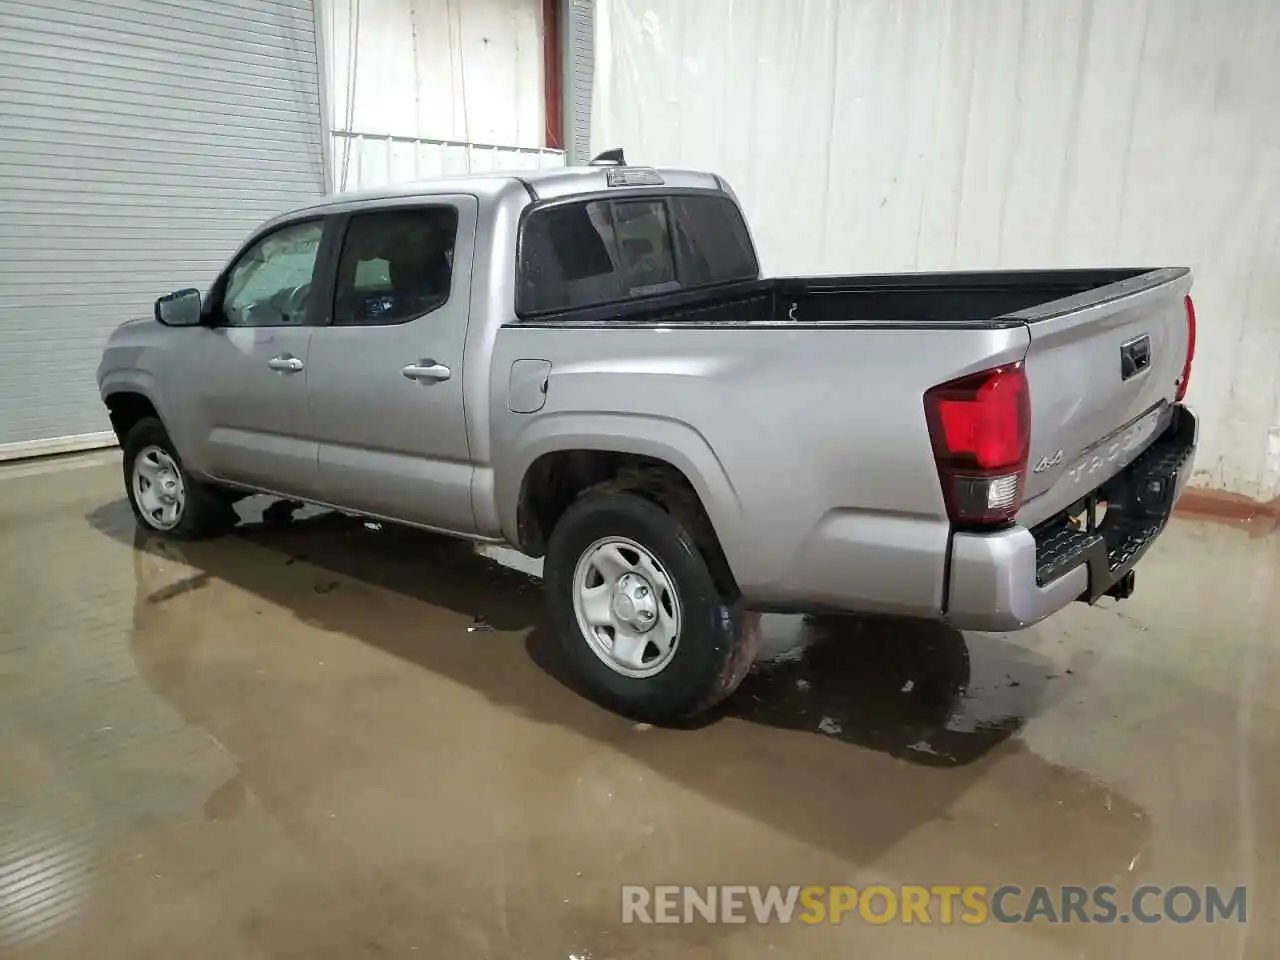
(1135, 356)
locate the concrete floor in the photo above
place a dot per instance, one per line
(315, 739)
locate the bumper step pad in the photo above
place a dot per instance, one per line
(1139, 502)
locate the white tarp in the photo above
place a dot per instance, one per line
(413, 84)
(888, 135)
(465, 70)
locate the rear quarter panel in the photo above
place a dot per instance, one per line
(808, 446)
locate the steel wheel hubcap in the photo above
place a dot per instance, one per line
(158, 488)
(627, 607)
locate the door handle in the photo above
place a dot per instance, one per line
(427, 371)
(285, 363)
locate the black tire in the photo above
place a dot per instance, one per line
(206, 512)
(712, 651)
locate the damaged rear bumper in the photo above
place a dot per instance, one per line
(1013, 578)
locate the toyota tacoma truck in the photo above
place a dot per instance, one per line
(587, 365)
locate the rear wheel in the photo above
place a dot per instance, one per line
(164, 496)
(636, 609)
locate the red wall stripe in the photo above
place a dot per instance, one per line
(553, 75)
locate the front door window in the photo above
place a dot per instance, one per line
(270, 285)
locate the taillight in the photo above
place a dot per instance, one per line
(1185, 379)
(980, 426)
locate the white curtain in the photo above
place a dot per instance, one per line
(465, 70)
(887, 135)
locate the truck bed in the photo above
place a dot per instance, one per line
(928, 298)
(987, 299)
(853, 386)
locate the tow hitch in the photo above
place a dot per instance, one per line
(1122, 589)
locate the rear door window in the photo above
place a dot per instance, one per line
(396, 266)
(597, 252)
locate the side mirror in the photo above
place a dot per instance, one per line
(179, 309)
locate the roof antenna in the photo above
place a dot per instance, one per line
(610, 158)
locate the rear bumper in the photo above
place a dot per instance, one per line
(1014, 578)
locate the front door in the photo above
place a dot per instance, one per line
(385, 376)
(248, 371)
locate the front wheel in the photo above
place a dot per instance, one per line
(164, 496)
(637, 611)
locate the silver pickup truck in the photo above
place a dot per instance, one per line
(585, 364)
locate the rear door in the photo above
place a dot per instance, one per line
(385, 374)
(1103, 368)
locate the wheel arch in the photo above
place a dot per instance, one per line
(127, 403)
(559, 457)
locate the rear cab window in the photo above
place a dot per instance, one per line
(600, 251)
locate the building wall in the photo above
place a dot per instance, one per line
(886, 135)
(140, 142)
(414, 84)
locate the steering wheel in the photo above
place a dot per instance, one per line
(295, 303)
(283, 308)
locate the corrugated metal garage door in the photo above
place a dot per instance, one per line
(140, 140)
(579, 75)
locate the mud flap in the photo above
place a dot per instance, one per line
(742, 628)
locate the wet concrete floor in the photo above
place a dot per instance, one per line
(315, 739)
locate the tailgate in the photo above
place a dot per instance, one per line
(1103, 369)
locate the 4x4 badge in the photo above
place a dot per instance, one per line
(1046, 463)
